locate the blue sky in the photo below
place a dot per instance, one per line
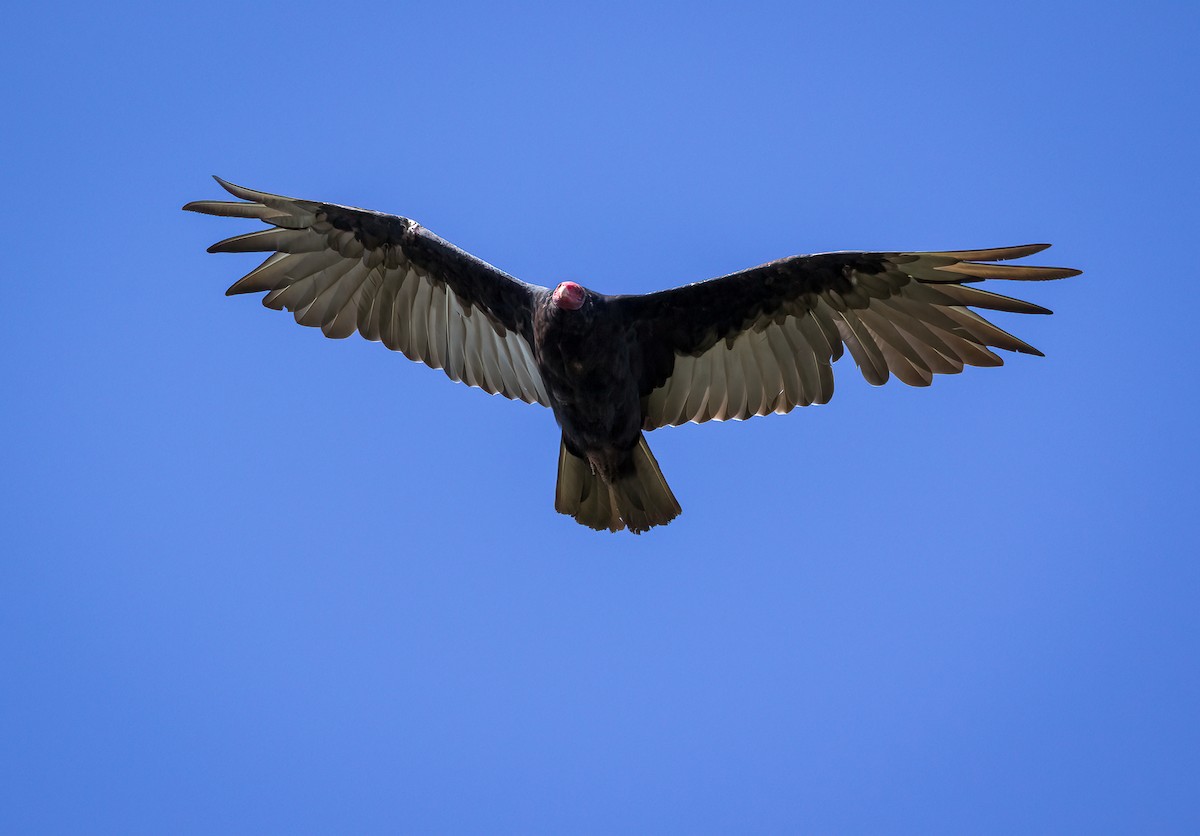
(259, 581)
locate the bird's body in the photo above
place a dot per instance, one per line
(607, 476)
(580, 354)
(612, 367)
(584, 357)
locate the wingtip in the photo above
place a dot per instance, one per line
(232, 188)
(1065, 272)
(193, 206)
(989, 253)
(1013, 252)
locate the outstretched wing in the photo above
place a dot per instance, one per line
(391, 280)
(763, 340)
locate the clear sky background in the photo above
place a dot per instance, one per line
(259, 581)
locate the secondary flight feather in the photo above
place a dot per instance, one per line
(754, 342)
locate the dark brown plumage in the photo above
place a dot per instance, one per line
(612, 367)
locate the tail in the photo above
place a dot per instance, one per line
(638, 500)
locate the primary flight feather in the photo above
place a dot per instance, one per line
(757, 341)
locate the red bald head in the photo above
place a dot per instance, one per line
(569, 296)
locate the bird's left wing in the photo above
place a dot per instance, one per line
(391, 280)
(764, 339)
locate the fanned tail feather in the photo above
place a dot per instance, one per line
(638, 501)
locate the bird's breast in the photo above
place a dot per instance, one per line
(585, 365)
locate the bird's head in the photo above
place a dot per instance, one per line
(569, 296)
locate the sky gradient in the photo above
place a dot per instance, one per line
(260, 581)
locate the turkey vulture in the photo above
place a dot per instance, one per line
(612, 367)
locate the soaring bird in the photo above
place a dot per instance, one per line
(611, 368)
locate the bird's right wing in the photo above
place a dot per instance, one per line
(764, 339)
(391, 280)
